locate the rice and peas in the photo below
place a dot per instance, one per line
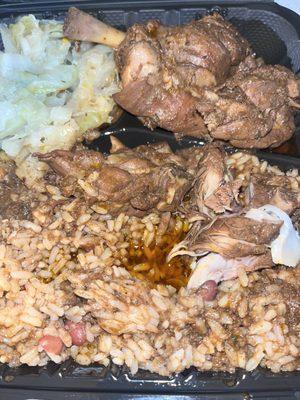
(65, 269)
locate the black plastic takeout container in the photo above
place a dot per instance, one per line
(274, 33)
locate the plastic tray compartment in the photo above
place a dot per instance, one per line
(274, 33)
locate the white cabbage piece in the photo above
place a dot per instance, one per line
(92, 99)
(7, 39)
(14, 66)
(53, 80)
(285, 249)
(23, 111)
(40, 41)
(10, 121)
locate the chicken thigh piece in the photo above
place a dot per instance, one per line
(199, 79)
(134, 181)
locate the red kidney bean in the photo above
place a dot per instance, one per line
(208, 290)
(51, 344)
(77, 332)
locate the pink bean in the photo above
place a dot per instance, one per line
(77, 332)
(51, 344)
(208, 290)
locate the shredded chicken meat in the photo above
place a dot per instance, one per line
(134, 181)
(233, 224)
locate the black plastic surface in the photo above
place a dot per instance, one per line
(275, 32)
(131, 131)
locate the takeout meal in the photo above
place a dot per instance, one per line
(147, 257)
(200, 79)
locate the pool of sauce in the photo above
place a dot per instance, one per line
(150, 262)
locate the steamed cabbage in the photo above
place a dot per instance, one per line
(50, 93)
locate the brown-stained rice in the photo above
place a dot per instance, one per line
(68, 264)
